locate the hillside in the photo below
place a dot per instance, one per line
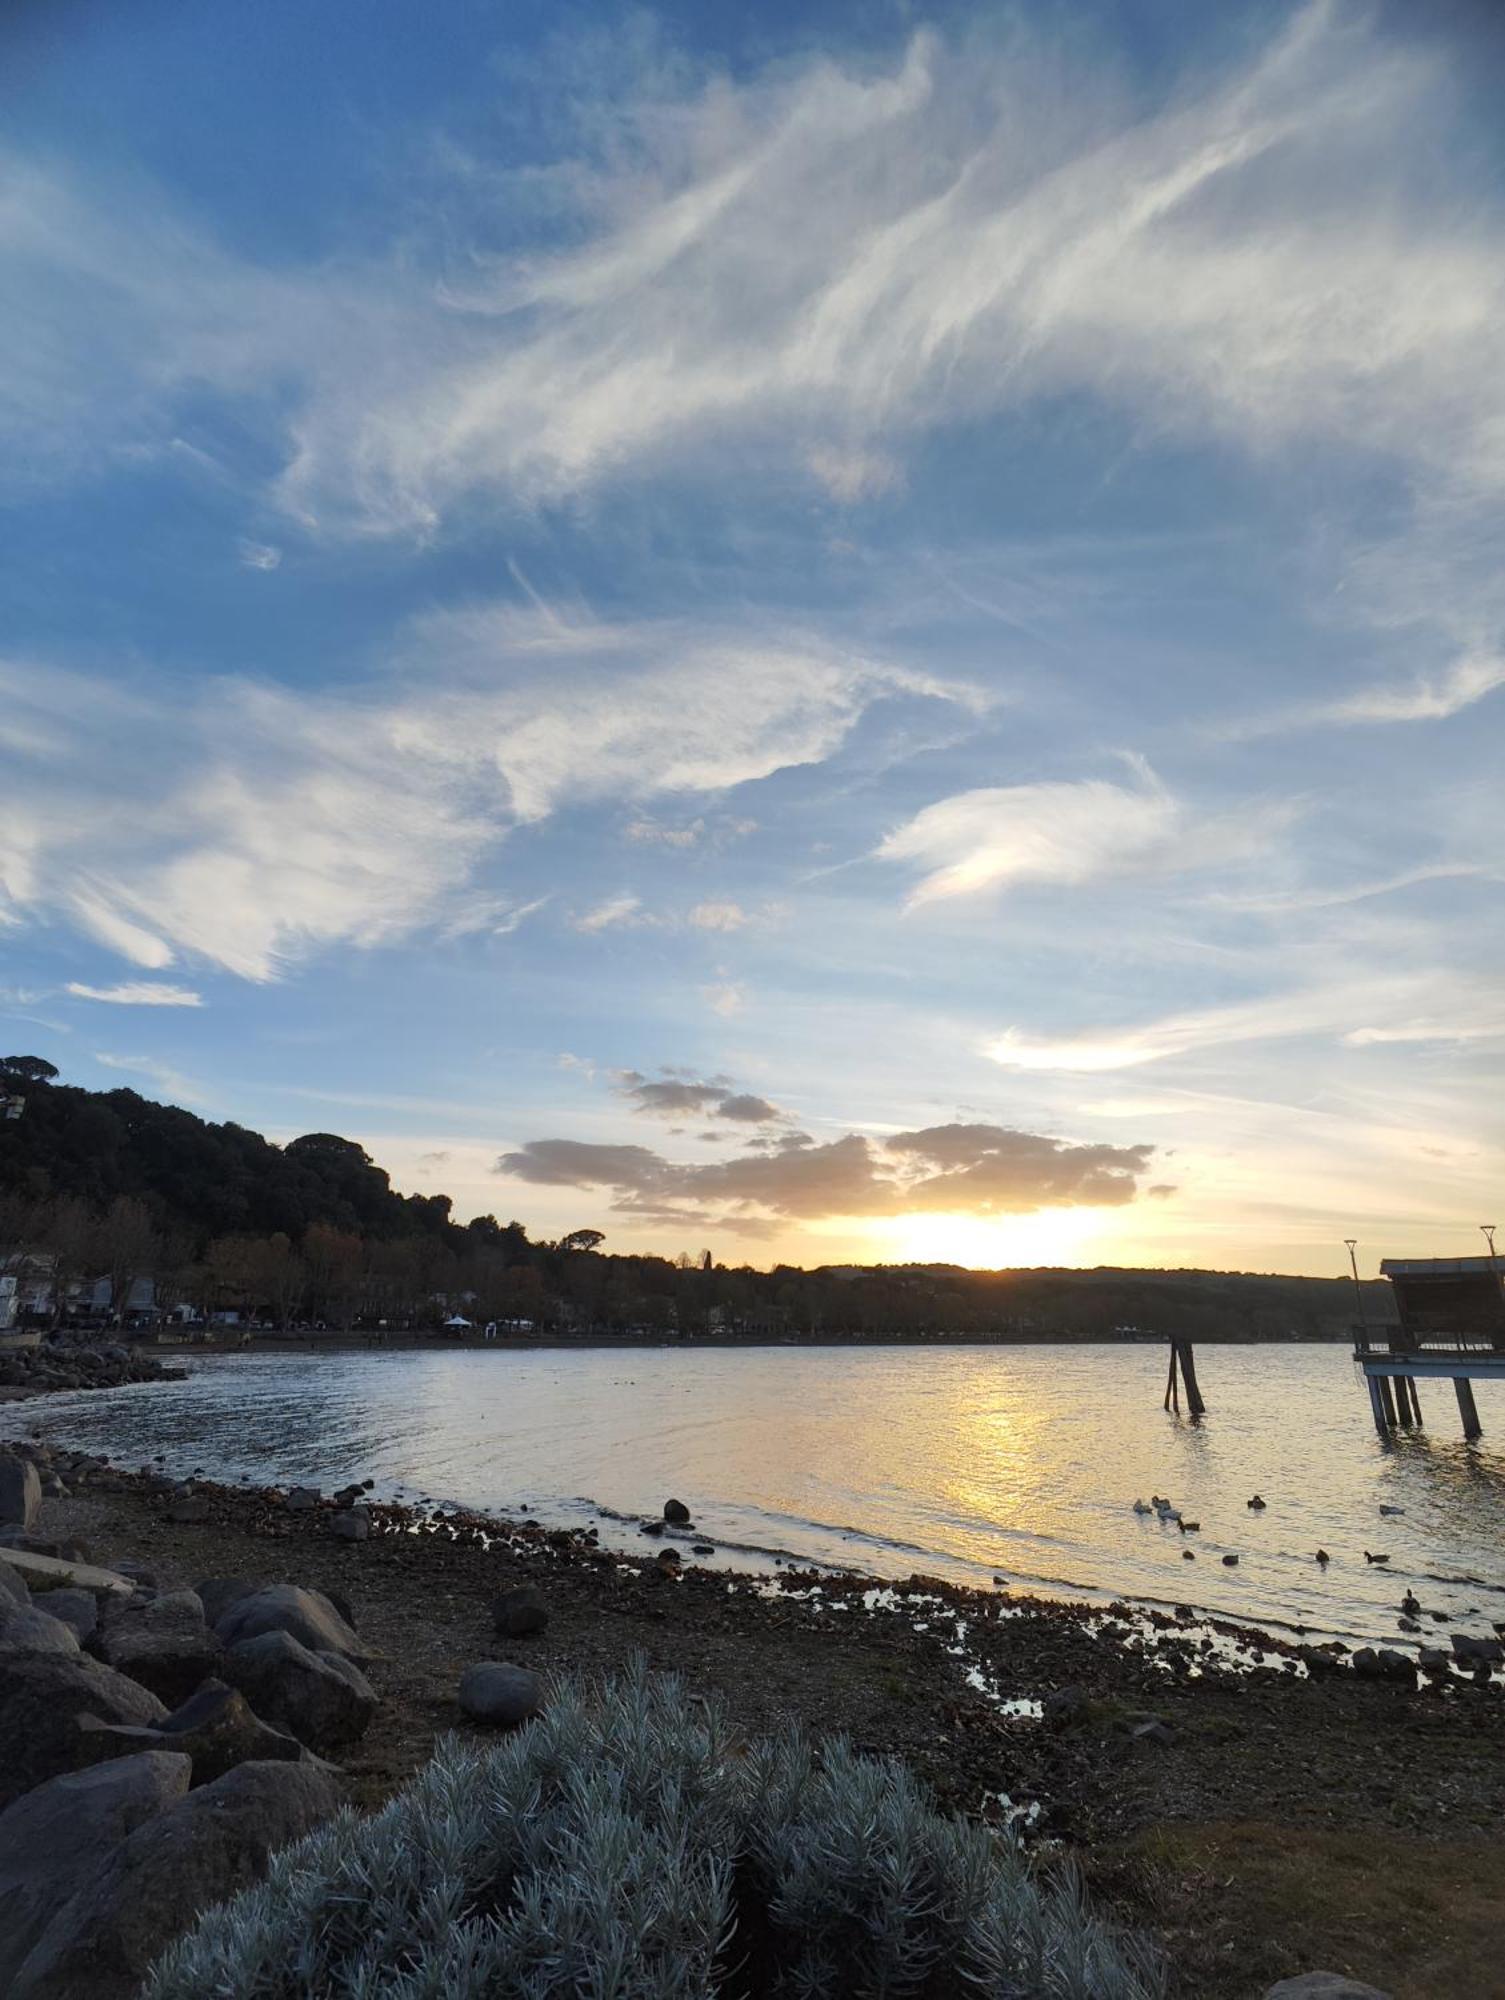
(112, 1185)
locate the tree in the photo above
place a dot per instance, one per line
(582, 1239)
(26, 1069)
(128, 1247)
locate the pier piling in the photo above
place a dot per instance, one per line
(1472, 1428)
(1182, 1357)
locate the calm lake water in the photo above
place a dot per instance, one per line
(966, 1462)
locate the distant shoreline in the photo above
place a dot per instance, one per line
(352, 1341)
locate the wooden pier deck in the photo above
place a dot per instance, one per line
(1451, 1328)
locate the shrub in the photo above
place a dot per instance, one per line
(629, 1846)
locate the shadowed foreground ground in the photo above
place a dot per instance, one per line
(1268, 1825)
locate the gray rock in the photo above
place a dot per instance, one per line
(317, 1696)
(520, 1611)
(1397, 1666)
(140, 1573)
(308, 1615)
(163, 1642)
(20, 1491)
(215, 1728)
(302, 1500)
(1323, 1986)
(57, 1838)
(1319, 1660)
(188, 1509)
(1468, 1649)
(353, 1525)
(1366, 1663)
(218, 1593)
(500, 1695)
(1065, 1708)
(12, 1584)
(29, 1629)
(1434, 1660)
(202, 1850)
(676, 1511)
(76, 1607)
(44, 1698)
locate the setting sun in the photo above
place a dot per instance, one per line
(996, 1242)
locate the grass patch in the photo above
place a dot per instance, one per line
(1242, 1904)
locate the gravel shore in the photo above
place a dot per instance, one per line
(1191, 1768)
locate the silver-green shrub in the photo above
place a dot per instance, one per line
(628, 1845)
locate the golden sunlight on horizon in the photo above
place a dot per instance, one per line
(996, 1242)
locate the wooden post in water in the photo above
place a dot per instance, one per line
(1467, 1408)
(1388, 1399)
(1181, 1354)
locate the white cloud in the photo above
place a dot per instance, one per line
(258, 555)
(1368, 1012)
(1068, 833)
(853, 475)
(176, 1088)
(610, 915)
(278, 821)
(137, 993)
(725, 997)
(718, 917)
(1432, 698)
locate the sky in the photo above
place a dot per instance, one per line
(839, 633)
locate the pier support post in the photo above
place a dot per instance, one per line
(1387, 1398)
(1415, 1399)
(1376, 1405)
(1402, 1386)
(1194, 1401)
(1472, 1428)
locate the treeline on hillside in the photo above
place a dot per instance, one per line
(113, 1189)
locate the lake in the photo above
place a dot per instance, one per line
(959, 1461)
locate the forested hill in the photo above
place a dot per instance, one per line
(111, 1184)
(198, 1179)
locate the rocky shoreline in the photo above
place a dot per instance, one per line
(50, 1367)
(1098, 1732)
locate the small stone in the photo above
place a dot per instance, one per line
(302, 1499)
(353, 1525)
(668, 1558)
(677, 1512)
(709, 1549)
(651, 1528)
(1323, 1986)
(520, 1611)
(501, 1695)
(1230, 1562)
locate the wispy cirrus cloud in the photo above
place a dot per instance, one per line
(137, 993)
(1069, 833)
(282, 821)
(1417, 1008)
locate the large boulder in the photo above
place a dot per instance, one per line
(500, 1695)
(44, 1698)
(56, 1838)
(218, 1593)
(307, 1615)
(163, 1642)
(215, 1728)
(25, 1628)
(209, 1846)
(76, 1607)
(12, 1584)
(20, 1491)
(320, 1697)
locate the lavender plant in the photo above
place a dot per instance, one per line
(628, 1846)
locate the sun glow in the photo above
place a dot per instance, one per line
(994, 1242)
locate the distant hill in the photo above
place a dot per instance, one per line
(108, 1183)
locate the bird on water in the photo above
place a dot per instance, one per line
(1375, 1559)
(1256, 1502)
(1323, 1557)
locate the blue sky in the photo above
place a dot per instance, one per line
(857, 632)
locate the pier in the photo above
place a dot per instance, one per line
(1451, 1313)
